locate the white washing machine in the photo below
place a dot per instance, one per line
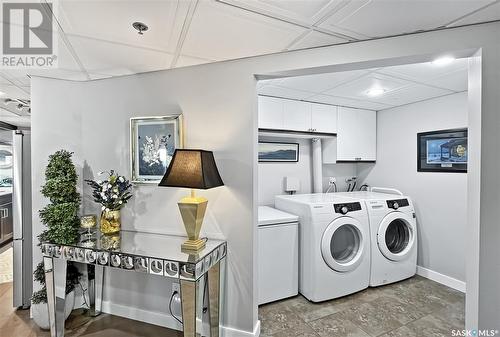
(334, 250)
(393, 229)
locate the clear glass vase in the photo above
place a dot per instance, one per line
(110, 222)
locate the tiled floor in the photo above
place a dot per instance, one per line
(411, 308)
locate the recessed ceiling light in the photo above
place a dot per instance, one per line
(442, 61)
(375, 92)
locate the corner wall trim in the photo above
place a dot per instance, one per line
(165, 320)
(440, 278)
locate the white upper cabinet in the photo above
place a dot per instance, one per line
(356, 135)
(270, 113)
(323, 118)
(297, 116)
(292, 115)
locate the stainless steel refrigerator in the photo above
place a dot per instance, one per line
(22, 213)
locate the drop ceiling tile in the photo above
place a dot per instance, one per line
(423, 72)
(384, 18)
(221, 32)
(316, 39)
(185, 60)
(322, 82)
(358, 88)
(11, 76)
(343, 12)
(304, 11)
(112, 21)
(11, 91)
(490, 13)
(21, 121)
(6, 113)
(456, 81)
(343, 101)
(274, 90)
(410, 94)
(116, 59)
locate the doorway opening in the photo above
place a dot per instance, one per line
(337, 134)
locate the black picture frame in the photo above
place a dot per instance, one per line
(442, 151)
(284, 157)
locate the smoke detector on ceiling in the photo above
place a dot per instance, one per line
(140, 27)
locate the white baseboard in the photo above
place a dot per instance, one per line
(165, 320)
(151, 317)
(440, 278)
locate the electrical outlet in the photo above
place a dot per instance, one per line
(176, 287)
(332, 180)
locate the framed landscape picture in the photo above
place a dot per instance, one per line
(442, 151)
(278, 152)
(153, 141)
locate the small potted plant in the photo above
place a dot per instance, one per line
(112, 193)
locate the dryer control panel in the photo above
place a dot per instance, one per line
(395, 204)
(347, 207)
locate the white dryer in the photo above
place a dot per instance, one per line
(393, 229)
(334, 250)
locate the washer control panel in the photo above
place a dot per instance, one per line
(347, 207)
(395, 204)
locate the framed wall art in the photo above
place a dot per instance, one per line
(153, 141)
(278, 152)
(442, 151)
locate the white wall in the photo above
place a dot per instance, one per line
(440, 198)
(271, 175)
(341, 172)
(219, 101)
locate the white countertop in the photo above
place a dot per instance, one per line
(270, 216)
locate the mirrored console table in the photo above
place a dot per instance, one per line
(200, 275)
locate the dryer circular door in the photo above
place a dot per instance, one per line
(396, 236)
(342, 244)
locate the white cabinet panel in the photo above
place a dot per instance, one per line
(270, 113)
(367, 128)
(297, 115)
(323, 118)
(356, 135)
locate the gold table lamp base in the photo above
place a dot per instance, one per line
(192, 211)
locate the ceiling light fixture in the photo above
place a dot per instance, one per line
(2, 93)
(373, 92)
(140, 27)
(442, 61)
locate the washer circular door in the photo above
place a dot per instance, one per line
(396, 236)
(342, 244)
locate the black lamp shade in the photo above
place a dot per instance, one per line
(192, 169)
